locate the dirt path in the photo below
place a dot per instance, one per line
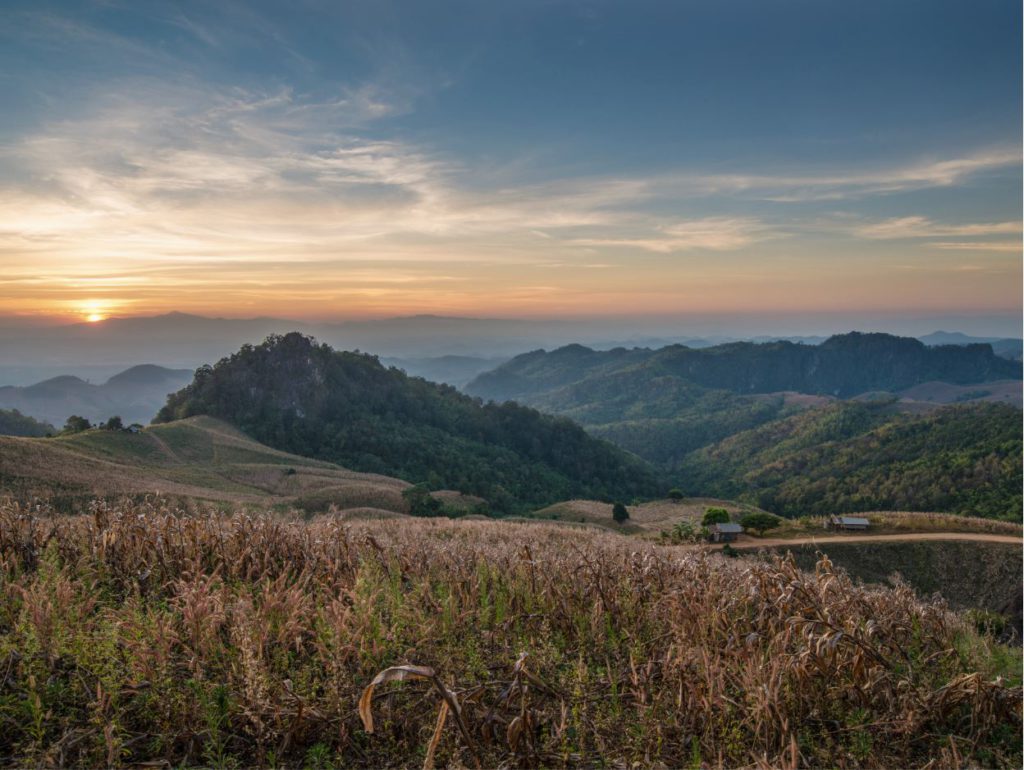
(769, 542)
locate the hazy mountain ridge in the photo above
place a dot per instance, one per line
(135, 394)
(843, 365)
(305, 398)
(182, 340)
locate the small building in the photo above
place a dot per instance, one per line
(724, 533)
(848, 523)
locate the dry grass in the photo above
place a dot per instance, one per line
(648, 518)
(141, 634)
(196, 459)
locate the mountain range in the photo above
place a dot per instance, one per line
(135, 395)
(434, 346)
(844, 419)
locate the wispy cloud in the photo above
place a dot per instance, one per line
(923, 227)
(713, 233)
(843, 184)
(1009, 247)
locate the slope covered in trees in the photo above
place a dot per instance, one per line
(863, 457)
(301, 397)
(14, 423)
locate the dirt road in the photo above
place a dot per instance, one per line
(769, 542)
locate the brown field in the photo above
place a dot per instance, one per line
(195, 459)
(139, 635)
(999, 391)
(646, 518)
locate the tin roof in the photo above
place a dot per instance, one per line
(730, 528)
(855, 520)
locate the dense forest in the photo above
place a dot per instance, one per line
(844, 365)
(302, 397)
(14, 423)
(863, 457)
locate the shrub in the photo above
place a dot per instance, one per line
(715, 516)
(619, 513)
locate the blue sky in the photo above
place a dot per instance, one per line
(336, 160)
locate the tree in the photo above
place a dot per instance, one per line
(715, 516)
(760, 522)
(675, 494)
(76, 424)
(619, 513)
(113, 423)
(421, 502)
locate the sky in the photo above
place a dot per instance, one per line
(347, 160)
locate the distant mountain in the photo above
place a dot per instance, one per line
(1007, 347)
(843, 366)
(306, 398)
(447, 370)
(850, 457)
(135, 394)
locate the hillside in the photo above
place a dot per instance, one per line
(196, 459)
(135, 394)
(844, 365)
(251, 640)
(855, 456)
(765, 423)
(309, 399)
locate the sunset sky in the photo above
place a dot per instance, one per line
(321, 160)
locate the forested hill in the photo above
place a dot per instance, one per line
(844, 365)
(14, 423)
(302, 397)
(851, 456)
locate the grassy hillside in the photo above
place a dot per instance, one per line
(301, 397)
(135, 637)
(200, 459)
(864, 456)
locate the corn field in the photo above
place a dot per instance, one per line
(144, 634)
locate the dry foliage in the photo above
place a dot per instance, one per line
(140, 634)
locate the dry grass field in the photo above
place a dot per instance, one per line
(196, 459)
(142, 636)
(646, 518)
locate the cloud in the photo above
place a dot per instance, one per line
(712, 233)
(923, 227)
(1010, 247)
(826, 186)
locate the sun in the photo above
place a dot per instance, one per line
(94, 310)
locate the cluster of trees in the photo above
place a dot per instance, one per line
(14, 423)
(77, 424)
(302, 397)
(860, 457)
